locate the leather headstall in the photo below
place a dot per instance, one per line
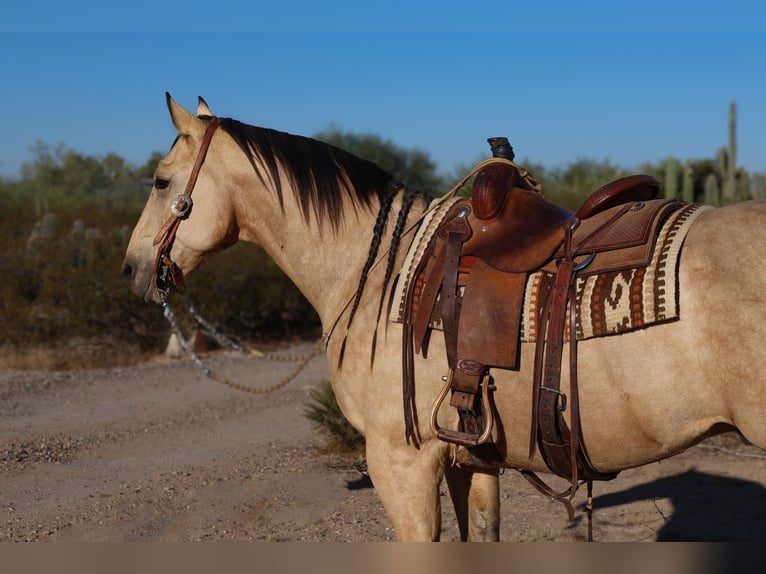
(167, 274)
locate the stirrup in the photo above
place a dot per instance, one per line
(460, 437)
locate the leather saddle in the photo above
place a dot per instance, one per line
(477, 266)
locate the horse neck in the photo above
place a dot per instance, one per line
(325, 263)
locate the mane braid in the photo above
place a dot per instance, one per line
(321, 175)
(401, 221)
(377, 236)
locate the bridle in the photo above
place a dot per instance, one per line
(167, 275)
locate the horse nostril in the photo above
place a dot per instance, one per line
(127, 270)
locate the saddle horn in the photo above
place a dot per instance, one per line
(494, 182)
(501, 147)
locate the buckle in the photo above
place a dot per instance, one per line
(563, 406)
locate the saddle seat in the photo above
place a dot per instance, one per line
(478, 264)
(523, 230)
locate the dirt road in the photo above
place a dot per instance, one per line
(159, 452)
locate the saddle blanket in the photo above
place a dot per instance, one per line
(607, 304)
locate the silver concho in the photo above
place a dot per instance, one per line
(181, 206)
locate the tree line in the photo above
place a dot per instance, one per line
(66, 220)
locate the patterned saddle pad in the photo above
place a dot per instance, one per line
(607, 304)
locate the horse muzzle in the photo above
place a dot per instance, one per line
(140, 281)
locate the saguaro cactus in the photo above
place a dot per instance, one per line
(670, 189)
(687, 187)
(734, 185)
(712, 193)
(723, 184)
(730, 183)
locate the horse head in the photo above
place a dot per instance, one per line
(176, 233)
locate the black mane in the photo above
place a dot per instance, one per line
(321, 174)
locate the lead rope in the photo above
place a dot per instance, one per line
(224, 341)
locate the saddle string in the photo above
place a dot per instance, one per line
(225, 341)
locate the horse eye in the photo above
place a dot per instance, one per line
(161, 183)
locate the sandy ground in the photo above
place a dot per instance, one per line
(159, 452)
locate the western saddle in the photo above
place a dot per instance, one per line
(477, 266)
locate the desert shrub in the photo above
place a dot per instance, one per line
(323, 410)
(70, 285)
(245, 292)
(61, 275)
(60, 279)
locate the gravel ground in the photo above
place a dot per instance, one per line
(159, 452)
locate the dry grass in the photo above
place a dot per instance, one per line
(72, 355)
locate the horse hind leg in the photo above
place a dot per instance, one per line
(476, 497)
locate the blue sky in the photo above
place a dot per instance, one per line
(555, 81)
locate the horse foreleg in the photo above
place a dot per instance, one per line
(407, 481)
(476, 498)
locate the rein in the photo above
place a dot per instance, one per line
(168, 277)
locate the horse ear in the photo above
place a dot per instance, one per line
(203, 111)
(184, 120)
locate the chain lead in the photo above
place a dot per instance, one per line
(227, 342)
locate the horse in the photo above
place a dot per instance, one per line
(339, 227)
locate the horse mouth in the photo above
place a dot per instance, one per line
(151, 295)
(141, 283)
(147, 291)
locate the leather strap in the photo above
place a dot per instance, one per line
(432, 283)
(552, 403)
(455, 231)
(166, 274)
(545, 490)
(548, 403)
(449, 295)
(561, 448)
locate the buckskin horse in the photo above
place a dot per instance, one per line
(340, 228)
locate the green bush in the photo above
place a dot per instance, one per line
(61, 276)
(323, 410)
(245, 292)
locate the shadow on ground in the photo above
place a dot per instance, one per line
(706, 507)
